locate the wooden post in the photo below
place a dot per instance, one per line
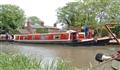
(112, 34)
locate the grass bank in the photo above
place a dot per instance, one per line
(22, 62)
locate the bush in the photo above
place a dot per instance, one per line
(116, 30)
(41, 30)
(101, 32)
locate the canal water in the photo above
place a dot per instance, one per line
(79, 56)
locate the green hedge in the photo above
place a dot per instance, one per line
(116, 30)
(41, 30)
(101, 32)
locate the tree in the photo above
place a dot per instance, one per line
(11, 18)
(90, 12)
(34, 20)
(67, 14)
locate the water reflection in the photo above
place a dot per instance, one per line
(79, 56)
(8, 48)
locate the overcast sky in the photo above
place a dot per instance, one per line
(44, 9)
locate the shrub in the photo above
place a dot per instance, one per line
(101, 32)
(116, 30)
(41, 30)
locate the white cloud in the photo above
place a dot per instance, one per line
(44, 9)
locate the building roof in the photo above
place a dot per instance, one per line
(23, 31)
(51, 27)
(39, 26)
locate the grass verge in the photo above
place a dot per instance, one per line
(22, 62)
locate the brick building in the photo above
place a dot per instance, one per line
(33, 28)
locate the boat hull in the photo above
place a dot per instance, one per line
(72, 43)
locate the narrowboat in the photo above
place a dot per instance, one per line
(68, 38)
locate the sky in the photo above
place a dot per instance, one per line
(44, 9)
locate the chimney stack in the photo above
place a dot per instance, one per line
(29, 27)
(28, 24)
(55, 25)
(42, 23)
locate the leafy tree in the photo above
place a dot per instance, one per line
(90, 12)
(67, 14)
(11, 18)
(34, 20)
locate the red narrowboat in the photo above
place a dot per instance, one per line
(69, 37)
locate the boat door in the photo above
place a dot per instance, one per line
(74, 36)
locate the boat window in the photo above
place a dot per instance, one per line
(43, 37)
(57, 37)
(33, 37)
(26, 37)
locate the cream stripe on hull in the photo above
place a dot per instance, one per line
(43, 40)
